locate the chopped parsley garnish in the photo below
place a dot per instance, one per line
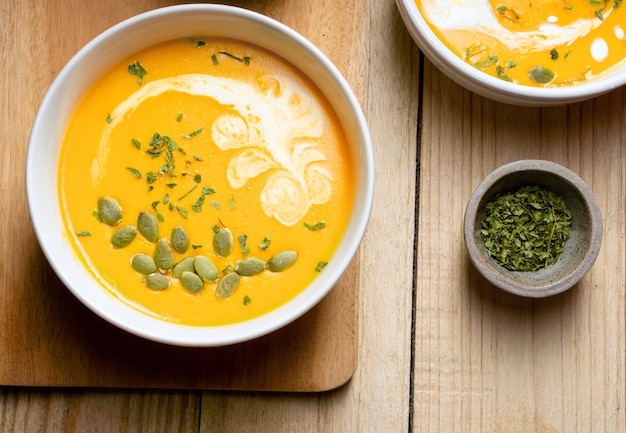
(232, 56)
(151, 177)
(97, 216)
(187, 193)
(197, 206)
(245, 249)
(554, 54)
(138, 70)
(192, 134)
(317, 226)
(182, 211)
(265, 244)
(507, 13)
(320, 265)
(134, 172)
(489, 61)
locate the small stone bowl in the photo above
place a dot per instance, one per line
(581, 249)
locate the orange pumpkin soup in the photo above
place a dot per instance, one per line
(542, 44)
(205, 181)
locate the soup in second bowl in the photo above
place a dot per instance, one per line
(546, 43)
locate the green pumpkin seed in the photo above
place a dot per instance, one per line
(148, 226)
(249, 266)
(542, 75)
(192, 282)
(205, 269)
(109, 210)
(227, 285)
(180, 240)
(223, 242)
(163, 255)
(143, 263)
(282, 260)
(184, 265)
(156, 281)
(123, 236)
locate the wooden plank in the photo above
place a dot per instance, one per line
(383, 68)
(51, 410)
(489, 361)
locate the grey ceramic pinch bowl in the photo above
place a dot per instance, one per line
(580, 250)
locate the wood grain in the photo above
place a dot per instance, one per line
(489, 361)
(377, 399)
(439, 350)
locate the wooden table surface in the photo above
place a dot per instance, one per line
(439, 349)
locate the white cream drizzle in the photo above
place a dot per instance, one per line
(276, 128)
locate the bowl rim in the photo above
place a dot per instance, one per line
(595, 226)
(130, 319)
(480, 82)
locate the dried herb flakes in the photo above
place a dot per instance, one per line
(526, 229)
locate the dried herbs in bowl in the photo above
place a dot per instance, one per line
(533, 228)
(526, 229)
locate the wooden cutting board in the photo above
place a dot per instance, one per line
(47, 337)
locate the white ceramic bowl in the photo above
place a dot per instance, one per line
(101, 54)
(491, 87)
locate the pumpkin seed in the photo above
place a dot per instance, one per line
(123, 236)
(156, 281)
(249, 266)
(184, 265)
(148, 226)
(109, 210)
(542, 75)
(143, 263)
(227, 285)
(205, 269)
(192, 282)
(163, 255)
(180, 240)
(223, 242)
(282, 260)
